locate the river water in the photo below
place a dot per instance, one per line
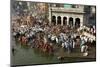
(24, 55)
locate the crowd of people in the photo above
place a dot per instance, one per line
(38, 34)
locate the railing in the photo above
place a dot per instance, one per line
(61, 9)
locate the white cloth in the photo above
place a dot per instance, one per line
(66, 44)
(82, 48)
(53, 38)
(62, 45)
(73, 44)
(85, 54)
(56, 40)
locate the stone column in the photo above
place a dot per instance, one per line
(56, 20)
(67, 20)
(81, 24)
(61, 21)
(73, 22)
(81, 21)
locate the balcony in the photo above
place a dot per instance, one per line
(69, 10)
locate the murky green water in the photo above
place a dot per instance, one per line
(25, 55)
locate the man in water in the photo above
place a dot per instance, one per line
(13, 50)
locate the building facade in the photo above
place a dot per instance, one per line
(66, 14)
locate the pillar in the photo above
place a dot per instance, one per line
(61, 21)
(81, 21)
(56, 20)
(73, 22)
(81, 24)
(67, 20)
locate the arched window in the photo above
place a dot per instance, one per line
(59, 20)
(64, 20)
(71, 21)
(77, 22)
(54, 20)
